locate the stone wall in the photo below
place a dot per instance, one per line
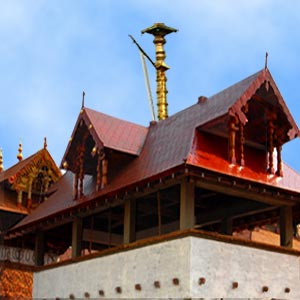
(186, 267)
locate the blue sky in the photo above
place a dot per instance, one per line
(51, 51)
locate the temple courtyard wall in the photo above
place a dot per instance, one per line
(183, 267)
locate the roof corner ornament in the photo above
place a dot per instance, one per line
(159, 31)
(20, 154)
(266, 61)
(1, 161)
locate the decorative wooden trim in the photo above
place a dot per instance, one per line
(233, 128)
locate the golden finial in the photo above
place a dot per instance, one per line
(45, 143)
(1, 161)
(20, 155)
(159, 31)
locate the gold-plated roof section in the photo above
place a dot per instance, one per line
(159, 29)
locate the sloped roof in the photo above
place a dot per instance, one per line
(8, 198)
(8, 202)
(117, 134)
(25, 163)
(168, 144)
(109, 132)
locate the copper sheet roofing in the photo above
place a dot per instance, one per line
(168, 144)
(8, 202)
(117, 134)
(110, 132)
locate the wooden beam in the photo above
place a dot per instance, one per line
(286, 226)
(102, 237)
(129, 220)
(187, 205)
(241, 209)
(165, 228)
(247, 194)
(39, 250)
(76, 237)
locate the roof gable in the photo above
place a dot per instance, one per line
(231, 102)
(39, 158)
(98, 131)
(28, 176)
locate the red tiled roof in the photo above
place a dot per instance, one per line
(168, 144)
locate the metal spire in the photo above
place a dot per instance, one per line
(266, 61)
(83, 95)
(159, 31)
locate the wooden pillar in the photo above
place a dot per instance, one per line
(129, 221)
(75, 188)
(226, 226)
(76, 237)
(81, 170)
(20, 197)
(286, 226)
(39, 250)
(99, 175)
(242, 142)
(29, 200)
(279, 171)
(104, 172)
(233, 128)
(271, 117)
(187, 205)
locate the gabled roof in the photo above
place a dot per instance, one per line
(165, 145)
(117, 134)
(23, 165)
(108, 132)
(8, 197)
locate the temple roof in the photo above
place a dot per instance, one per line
(107, 132)
(23, 165)
(11, 176)
(175, 142)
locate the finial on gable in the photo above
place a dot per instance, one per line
(20, 154)
(83, 94)
(266, 61)
(1, 161)
(45, 143)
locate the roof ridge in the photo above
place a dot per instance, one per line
(113, 117)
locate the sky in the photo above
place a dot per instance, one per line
(50, 51)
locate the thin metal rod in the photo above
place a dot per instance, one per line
(147, 82)
(140, 48)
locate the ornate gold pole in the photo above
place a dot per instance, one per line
(159, 30)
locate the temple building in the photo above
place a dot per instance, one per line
(160, 211)
(25, 185)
